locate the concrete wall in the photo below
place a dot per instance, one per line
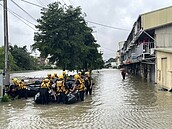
(164, 69)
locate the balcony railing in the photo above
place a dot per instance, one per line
(147, 47)
(139, 52)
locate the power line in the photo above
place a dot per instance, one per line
(22, 21)
(117, 28)
(33, 4)
(70, 2)
(64, 2)
(108, 49)
(40, 2)
(47, 2)
(23, 10)
(112, 27)
(19, 17)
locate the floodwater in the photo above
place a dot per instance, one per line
(115, 104)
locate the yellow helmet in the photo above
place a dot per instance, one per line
(53, 76)
(46, 80)
(64, 72)
(48, 74)
(61, 77)
(14, 79)
(86, 73)
(76, 76)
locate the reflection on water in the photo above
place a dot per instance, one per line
(115, 104)
(36, 74)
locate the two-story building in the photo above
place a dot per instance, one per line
(151, 31)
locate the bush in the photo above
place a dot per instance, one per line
(6, 98)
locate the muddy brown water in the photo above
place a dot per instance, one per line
(115, 104)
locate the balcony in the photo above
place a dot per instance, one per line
(148, 47)
(140, 52)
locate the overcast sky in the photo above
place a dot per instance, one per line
(115, 13)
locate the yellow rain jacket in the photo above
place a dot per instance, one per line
(80, 85)
(60, 87)
(45, 85)
(22, 85)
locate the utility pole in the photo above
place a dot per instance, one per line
(6, 46)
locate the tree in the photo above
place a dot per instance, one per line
(111, 60)
(12, 66)
(22, 58)
(65, 37)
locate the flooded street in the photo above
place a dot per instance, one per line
(114, 104)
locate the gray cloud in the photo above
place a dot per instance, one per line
(114, 13)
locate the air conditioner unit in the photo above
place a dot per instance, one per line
(152, 50)
(143, 56)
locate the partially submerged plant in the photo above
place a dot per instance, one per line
(6, 98)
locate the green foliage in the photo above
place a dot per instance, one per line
(22, 58)
(111, 60)
(6, 98)
(64, 35)
(19, 59)
(11, 60)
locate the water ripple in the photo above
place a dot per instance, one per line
(115, 104)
